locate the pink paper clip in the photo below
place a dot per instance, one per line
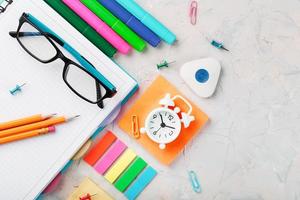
(193, 12)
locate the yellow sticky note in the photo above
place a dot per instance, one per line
(87, 186)
(120, 165)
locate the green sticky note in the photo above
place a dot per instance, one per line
(130, 174)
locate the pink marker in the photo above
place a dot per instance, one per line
(97, 24)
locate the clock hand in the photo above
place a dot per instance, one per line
(155, 132)
(170, 127)
(162, 121)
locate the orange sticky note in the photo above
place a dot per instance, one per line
(149, 101)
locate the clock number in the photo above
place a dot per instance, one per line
(171, 133)
(170, 117)
(154, 116)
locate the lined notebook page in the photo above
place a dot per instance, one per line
(27, 166)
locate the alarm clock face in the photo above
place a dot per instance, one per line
(163, 125)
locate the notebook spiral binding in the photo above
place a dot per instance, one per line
(4, 5)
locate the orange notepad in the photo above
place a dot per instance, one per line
(149, 101)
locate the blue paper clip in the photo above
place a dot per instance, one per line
(218, 45)
(16, 89)
(195, 182)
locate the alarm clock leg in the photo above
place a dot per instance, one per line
(162, 146)
(143, 130)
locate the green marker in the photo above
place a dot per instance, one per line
(82, 27)
(118, 26)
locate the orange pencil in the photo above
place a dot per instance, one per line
(28, 134)
(34, 126)
(24, 121)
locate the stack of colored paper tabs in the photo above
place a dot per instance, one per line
(119, 165)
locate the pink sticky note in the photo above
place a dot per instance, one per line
(110, 157)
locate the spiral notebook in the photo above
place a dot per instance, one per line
(27, 166)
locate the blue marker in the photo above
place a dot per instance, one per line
(148, 20)
(131, 21)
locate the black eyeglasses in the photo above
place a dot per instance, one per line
(83, 79)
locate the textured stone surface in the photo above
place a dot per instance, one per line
(250, 149)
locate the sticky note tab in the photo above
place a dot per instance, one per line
(140, 184)
(87, 186)
(100, 148)
(120, 165)
(83, 150)
(109, 158)
(130, 174)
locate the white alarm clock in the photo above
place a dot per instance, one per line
(163, 125)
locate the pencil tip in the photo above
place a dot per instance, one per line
(71, 118)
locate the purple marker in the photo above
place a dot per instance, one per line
(131, 21)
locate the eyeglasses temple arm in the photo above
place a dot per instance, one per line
(31, 34)
(99, 95)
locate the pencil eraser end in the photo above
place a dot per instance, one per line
(51, 129)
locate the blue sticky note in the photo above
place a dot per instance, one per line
(140, 183)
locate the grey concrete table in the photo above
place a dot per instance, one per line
(250, 149)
